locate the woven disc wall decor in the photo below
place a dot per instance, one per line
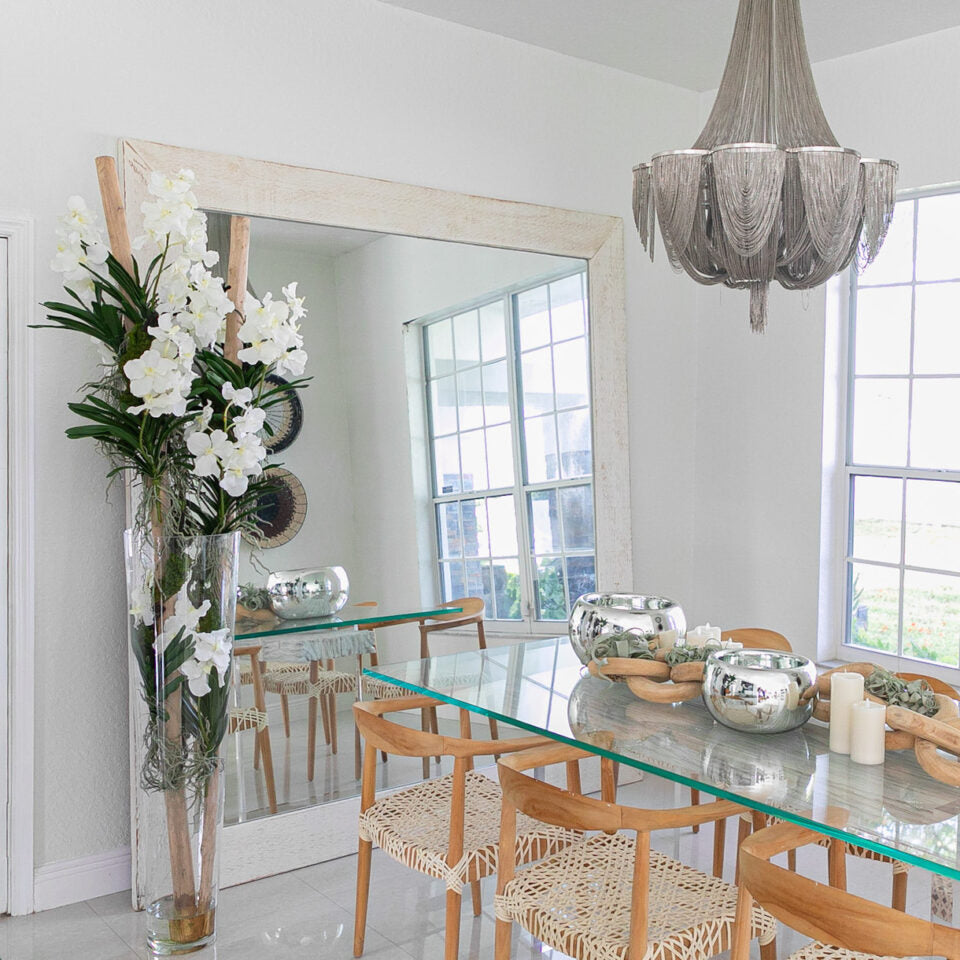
(285, 418)
(281, 513)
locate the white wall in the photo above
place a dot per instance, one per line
(320, 456)
(760, 398)
(380, 287)
(348, 85)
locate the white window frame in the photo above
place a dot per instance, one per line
(527, 624)
(845, 650)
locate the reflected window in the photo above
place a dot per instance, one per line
(511, 449)
(903, 451)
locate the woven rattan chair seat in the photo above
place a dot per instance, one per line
(299, 683)
(413, 827)
(578, 902)
(383, 690)
(823, 951)
(246, 674)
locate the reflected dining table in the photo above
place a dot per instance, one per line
(894, 808)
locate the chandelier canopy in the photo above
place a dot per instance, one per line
(766, 193)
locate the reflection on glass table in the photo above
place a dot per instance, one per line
(297, 662)
(895, 809)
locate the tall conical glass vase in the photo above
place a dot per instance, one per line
(182, 593)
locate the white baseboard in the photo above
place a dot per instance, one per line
(69, 881)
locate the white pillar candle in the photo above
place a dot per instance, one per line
(846, 689)
(867, 732)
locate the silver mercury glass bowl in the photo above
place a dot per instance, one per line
(311, 592)
(596, 614)
(759, 691)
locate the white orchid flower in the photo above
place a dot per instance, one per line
(260, 351)
(149, 373)
(201, 421)
(242, 397)
(209, 449)
(141, 604)
(293, 362)
(251, 421)
(215, 647)
(234, 481)
(198, 676)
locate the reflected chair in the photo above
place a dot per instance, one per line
(447, 828)
(844, 926)
(471, 612)
(608, 896)
(255, 718)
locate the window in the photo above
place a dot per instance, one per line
(508, 401)
(903, 444)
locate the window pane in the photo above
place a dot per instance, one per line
(566, 307)
(570, 373)
(503, 526)
(533, 318)
(537, 373)
(448, 528)
(506, 589)
(931, 617)
(439, 348)
(874, 606)
(577, 506)
(478, 583)
(476, 540)
(466, 336)
(933, 524)
(938, 237)
(470, 399)
(545, 533)
(551, 599)
(493, 331)
(496, 393)
(443, 405)
(541, 448)
(877, 508)
(883, 330)
(934, 431)
(447, 465)
(895, 263)
(936, 334)
(452, 580)
(500, 456)
(880, 422)
(573, 428)
(474, 460)
(581, 577)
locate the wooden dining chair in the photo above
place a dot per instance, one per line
(609, 895)
(838, 921)
(255, 718)
(447, 828)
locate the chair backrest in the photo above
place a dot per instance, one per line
(758, 638)
(470, 612)
(827, 913)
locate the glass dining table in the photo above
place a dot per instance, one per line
(894, 808)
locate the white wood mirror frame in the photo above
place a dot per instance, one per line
(258, 188)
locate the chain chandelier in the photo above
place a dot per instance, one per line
(766, 193)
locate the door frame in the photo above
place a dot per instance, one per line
(17, 693)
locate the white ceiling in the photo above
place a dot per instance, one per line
(309, 237)
(684, 42)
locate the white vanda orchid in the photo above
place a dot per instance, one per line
(234, 481)
(150, 373)
(209, 449)
(260, 351)
(141, 604)
(201, 421)
(293, 362)
(250, 421)
(294, 302)
(242, 397)
(215, 647)
(248, 452)
(198, 676)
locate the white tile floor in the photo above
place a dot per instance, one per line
(309, 913)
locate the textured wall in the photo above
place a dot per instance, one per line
(350, 85)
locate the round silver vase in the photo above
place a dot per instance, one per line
(310, 592)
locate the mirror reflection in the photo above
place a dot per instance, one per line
(441, 454)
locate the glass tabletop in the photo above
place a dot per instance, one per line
(350, 617)
(894, 808)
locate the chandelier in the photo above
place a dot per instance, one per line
(766, 193)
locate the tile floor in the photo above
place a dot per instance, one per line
(308, 913)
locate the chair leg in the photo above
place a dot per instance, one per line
(475, 893)
(325, 717)
(899, 898)
(768, 951)
(285, 707)
(719, 846)
(451, 933)
(332, 710)
(425, 727)
(263, 740)
(256, 751)
(433, 723)
(743, 831)
(502, 943)
(837, 864)
(694, 801)
(792, 860)
(356, 752)
(363, 894)
(311, 737)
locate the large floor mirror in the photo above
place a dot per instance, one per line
(464, 435)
